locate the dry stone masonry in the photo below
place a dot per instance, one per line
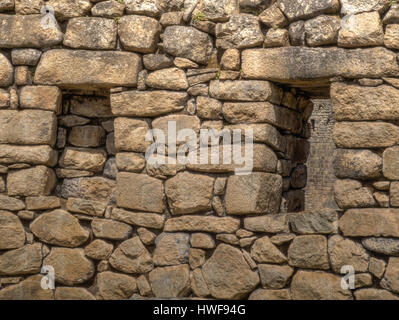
(80, 91)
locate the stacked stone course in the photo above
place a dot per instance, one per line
(77, 194)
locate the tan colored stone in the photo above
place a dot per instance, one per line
(344, 252)
(146, 7)
(6, 70)
(115, 286)
(88, 69)
(41, 97)
(274, 223)
(182, 199)
(272, 17)
(25, 260)
(93, 188)
(26, 31)
(131, 257)
(171, 249)
(42, 203)
(70, 265)
(169, 79)
(322, 30)
(231, 60)
(390, 280)
(370, 223)
(27, 127)
(216, 11)
(11, 204)
(89, 207)
(131, 162)
(318, 285)
(276, 38)
(264, 251)
(299, 10)
(273, 276)
(143, 286)
(99, 250)
(109, 229)
(139, 192)
(374, 294)
(147, 237)
(253, 194)
(66, 9)
(361, 30)
(198, 284)
(170, 282)
(351, 194)
(365, 134)
(308, 252)
(86, 159)
(377, 267)
(324, 221)
(394, 194)
(66, 293)
(45, 155)
(139, 33)
(391, 163)
(263, 294)
(143, 219)
(59, 228)
(34, 181)
(202, 223)
(87, 136)
(100, 33)
(202, 240)
(228, 275)
(29, 289)
(12, 234)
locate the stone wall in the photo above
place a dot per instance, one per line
(80, 92)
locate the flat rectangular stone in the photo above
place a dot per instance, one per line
(28, 154)
(18, 31)
(354, 103)
(272, 223)
(202, 223)
(41, 97)
(142, 219)
(243, 90)
(42, 203)
(147, 104)
(300, 65)
(83, 69)
(28, 127)
(370, 223)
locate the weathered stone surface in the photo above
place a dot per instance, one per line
(182, 199)
(358, 6)
(187, 42)
(170, 282)
(93, 188)
(209, 108)
(131, 257)
(391, 163)
(29, 289)
(274, 223)
(147, 220)
(88, 69)
(169, 79)
(242, 90)
(387, 246)
(171, 249)
(40, 97)
(84, 159)
(264, 251)
(10, 204)
(391, 36)
(361, 30)
(131, 162)
(298, 65)
(202, 240)
(100, 34)
(347, 252)
(370, 223)
(25, 31)
(130, 135)
(318, 285)
(27, 127)
(357, 164)
(390, 280)
(70, 265)
(12, 234)
(157, 61)
(66, 293)
(264, 294)
(6, 72)
(88, 207)
(302, 10)
(308, 252)
(87, 136)
(7, 5)
(139, 33)
(272, 17)
(25, 57)
(254, 193)
(36, 181)
(215, 11)
(91, 107)
(99, 250)
(394, 194)
(273, 276)
(228, 275)
(365, 134)
(276, 38)
(147, 104)
(322, 30)
(59, 228)
(115, 286)
(377, 267)
(144, 7)
(25, 260)
(109, 229)
(374, 294)
(353, 103)
(242, 31)
(202, 223)
(351, 194)
(139, 192)
(65, 9)
(323, 221)
(108, 9)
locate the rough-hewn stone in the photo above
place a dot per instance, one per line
(115, 286)
(66, 9)
(302, 10)
(109, 229)
(390, 280)
(391, 163)
(142, 219)
(170, 282)
(169, 79)
(130, 135)
(308, 252)
(322, 30)
(25, 260)
(6, 72)
(29, 289)
(387, 246)
(273, 276)
(12, 234)
(357, 164)
(202, 223)
(323, 221)
(171, 249)
(85, 159)
(264, 251)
